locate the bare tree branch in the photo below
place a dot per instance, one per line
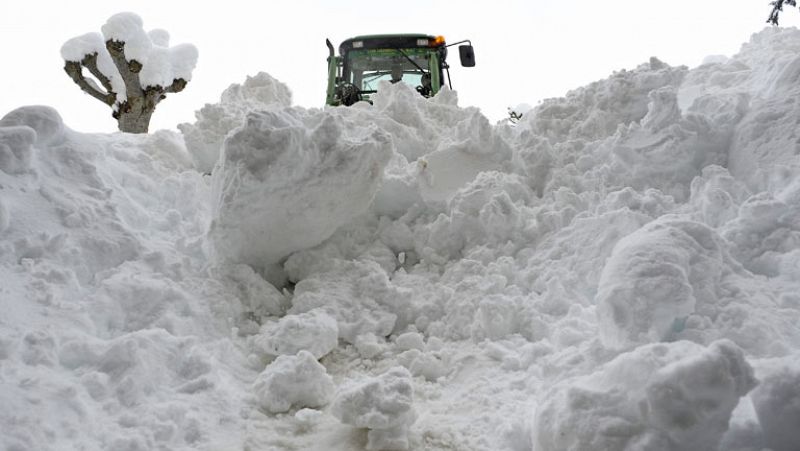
(90, 62)
(177, 85)
(75, 72)
(777, 8)
(133, 87)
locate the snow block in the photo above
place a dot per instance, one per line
(289, 178)
(382, 404)
(666, 397)
(655, 278)
(314, 331)
(293, 381)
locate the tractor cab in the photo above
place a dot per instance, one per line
(415, 59)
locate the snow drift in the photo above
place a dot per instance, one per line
(617, 271)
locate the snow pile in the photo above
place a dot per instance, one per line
(675, 396)
(293, 380)
(383, 405)
(204, 138)
(100, 325)
(607, 274)
(289, 178)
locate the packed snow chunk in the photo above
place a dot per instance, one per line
(659, 397)
(16, 149)
(314, 331)
(44, 120)
(655, 278)
(258, 296)
(214, 121)
(399, 190)
(410, 340)
(474, 147)
(359, 295)
(382, 404)
(289, 178)
(293, 381)
(489, 210)
(777, 404)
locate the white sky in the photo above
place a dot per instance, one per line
(526, 50)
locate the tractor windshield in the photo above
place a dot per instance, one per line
(365, 68)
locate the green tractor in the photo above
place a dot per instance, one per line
(419, 60)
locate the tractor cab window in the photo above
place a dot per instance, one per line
(366, 69)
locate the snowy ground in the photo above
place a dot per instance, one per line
(619, 271)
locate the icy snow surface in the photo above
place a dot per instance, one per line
(618, 271)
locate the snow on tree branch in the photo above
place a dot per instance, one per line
(135, 69)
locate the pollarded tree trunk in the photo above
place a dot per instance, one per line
(132, 114)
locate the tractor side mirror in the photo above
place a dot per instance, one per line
(467, 55)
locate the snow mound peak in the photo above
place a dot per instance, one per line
(214, 121)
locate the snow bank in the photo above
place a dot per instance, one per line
(293, 381)
(618, 261)
(673, 396)
(204, 138)
(289, 178)
(382, 404)
(97, 258)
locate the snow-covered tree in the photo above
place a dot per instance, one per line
(777, 7)
(135, 69)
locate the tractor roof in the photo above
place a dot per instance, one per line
(386, 41)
